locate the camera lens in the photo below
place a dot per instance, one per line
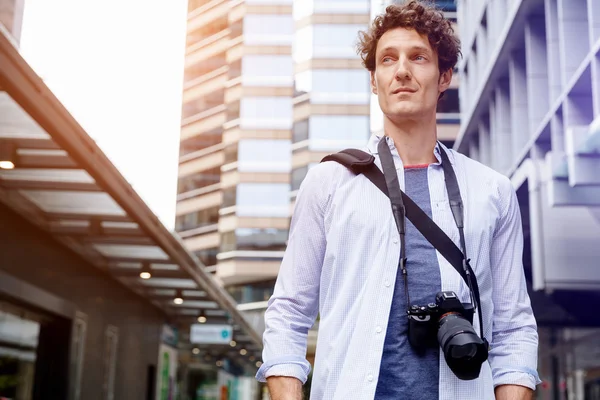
(464, 351)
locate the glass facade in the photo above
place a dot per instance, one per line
(199, 142)
(197, 219)
(267, 70)
(255, 292)
(254, 239)
(208, 256)
(335, 86)
(266, 112)
(326, 41)
(269, 30)
(263, 200)
(264, 155)
(199, 180)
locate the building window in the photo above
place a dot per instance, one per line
(251, 293)
(199, 180)
(336, 81)
(263, 200)
(300, 131)
(230, 153)
(266, 113)
(228, 242)
(197, 219)
(268, 29)
(204, 103)
(199, 142)
(256, 239)
(267, 70)
(335, 132)
(298, 175)
(446, 5)
(336, 41)
(199, 69)
(208, 257)
(264, 155)
(207, 30)
(449, 103)
(229, 196)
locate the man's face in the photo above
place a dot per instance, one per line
(406, 79)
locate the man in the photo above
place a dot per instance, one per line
(343, 252)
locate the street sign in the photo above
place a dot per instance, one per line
(211, 334)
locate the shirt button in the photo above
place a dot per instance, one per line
(387, 283)
(370, 378)
(378, 329)
(395, 241)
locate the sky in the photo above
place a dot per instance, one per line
(117, 66)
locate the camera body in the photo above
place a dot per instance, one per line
(448, 323)
(423, 320)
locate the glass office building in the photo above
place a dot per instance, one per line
(530, 100)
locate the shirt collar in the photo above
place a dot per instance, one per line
(376, 137)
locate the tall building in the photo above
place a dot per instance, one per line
(270, 88)
(332, 94)
(234, 172)
(530, 96)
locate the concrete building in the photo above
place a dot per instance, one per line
(234, 172)
(97, 297)
(530, 100)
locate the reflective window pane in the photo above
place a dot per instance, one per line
(267, 70)
(254, 292)
(266, 112)
(300, 131)
(263, 199)
(298, 175)
(229, 196)
(449, 102)
(269, 239)
(197, 143)
(336, 41)
(264, 155)
(208, 257)
(302, 48)
(276, 30)
(335, 86)
(199, 180)
(336, 132)
(197, 219)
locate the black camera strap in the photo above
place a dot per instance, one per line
(404, 207)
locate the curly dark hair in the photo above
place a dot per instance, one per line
(421, 16)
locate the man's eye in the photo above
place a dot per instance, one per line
(419, 58)
(386, 59)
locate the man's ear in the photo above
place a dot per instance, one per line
(445, 80)
(373, 84)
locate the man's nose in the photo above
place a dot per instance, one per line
(403, 71)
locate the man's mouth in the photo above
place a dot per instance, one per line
(403, 90)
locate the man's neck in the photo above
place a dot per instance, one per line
(414, 140)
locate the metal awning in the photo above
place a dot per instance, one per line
(65, 184)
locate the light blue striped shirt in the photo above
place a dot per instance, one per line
(341, 262)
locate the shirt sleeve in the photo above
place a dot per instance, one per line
(514, 346)
(293, 307)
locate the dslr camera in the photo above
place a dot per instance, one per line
(448, 323)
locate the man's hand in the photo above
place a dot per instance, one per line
(284, 388)
(513, 392)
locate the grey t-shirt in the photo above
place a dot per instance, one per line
(404, 374)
